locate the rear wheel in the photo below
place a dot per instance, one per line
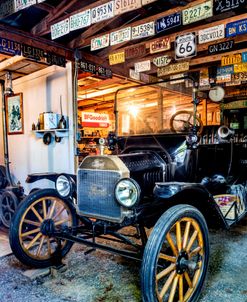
(31, 237)
(176, 257)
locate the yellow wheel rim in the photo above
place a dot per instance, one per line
(180, 262)
(34, 243)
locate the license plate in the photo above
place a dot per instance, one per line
(142, 66)
(236, 28)
(123, 6)
(117, 58)
(173, 68)
(135, 51)
(221, 6)
(143, 30)
(240, 68)
(10, 47)
(102, 12)
(80, 20)
(197, 13)
(211, 34)
(225, 70)
(100, 42)
(168, 22)
(221, 47)
(120, 36)
(60, 29)
(162, 61)
(21, 4)
(161, 44)
(244, 57)
(242, 76)
(231, 59)
(134, 75)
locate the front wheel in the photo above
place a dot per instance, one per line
(31, 238)
(175, 259)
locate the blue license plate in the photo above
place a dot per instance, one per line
(225, 70)
(10, 47)
(244, 57)
(168, 22)
(236, 28)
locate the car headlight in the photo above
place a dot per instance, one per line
(63, 186)
(127, 192)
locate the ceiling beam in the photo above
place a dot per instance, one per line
(7, 64)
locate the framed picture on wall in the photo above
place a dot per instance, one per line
(14, 113)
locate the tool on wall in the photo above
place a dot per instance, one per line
(62, 122)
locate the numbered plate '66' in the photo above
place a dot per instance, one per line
(185, 46)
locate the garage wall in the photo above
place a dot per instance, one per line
(1, 132)
(28, 154)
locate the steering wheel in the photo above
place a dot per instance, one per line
(182, 121)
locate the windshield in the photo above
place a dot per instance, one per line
(155, 108)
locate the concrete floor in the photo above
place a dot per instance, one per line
(100, 277)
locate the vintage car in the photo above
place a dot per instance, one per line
(168, 178)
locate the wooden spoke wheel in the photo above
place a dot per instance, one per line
(8, 205)
(31, 233)
(176, 257)
(182, 121)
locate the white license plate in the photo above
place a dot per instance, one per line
(102, 12)
(123, 6)
(197, 13)
(60, 29)
(120, 36)
(100, 42)
(143, 30)
(80, 20)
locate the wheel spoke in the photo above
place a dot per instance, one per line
(52, 209)
(36, 214)
(195, 251)
(59, 212)
(166, 271)
(34, 240)
(181, 288)
(197, 274)
(44, 208)
(186, 234)
(192, 239)
(188, 293)
(172, 245)
(40, 245)
(187, 278)
(61, 221)
(173, 289)
(178, 236)
(30, 232)
(167, 284)
(167, 257)
(32, 222)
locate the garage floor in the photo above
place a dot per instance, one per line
(100, 277)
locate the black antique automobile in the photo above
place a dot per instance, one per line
(167, 178)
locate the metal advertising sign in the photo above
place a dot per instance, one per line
(162, 61)
(10, 47)
(135, 51)
(177, 78)
(242, 76)
(94, 69)
(143, 30)
(120, 36)
(221, 47)
(225, 70)
(21, 4)
(223, 78)
(244, 57)
(242, 67)
(6, 8)
(168, 22)
(197, 12)
(80, 20)
(144, 2)
(211, 34)
(102, 12)
(143, 66)
(60, 29)
(100, 42)
(204, 77)
(123, 6)
(231, 59)
(185, 46)
(173, 68)
(221, 6)
(134, 75)
(93, 119)
(236, 28)
(161, 44)
(117, 58)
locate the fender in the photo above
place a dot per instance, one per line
(194, 194)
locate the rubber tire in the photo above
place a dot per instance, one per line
(155, 241)
(14, 230)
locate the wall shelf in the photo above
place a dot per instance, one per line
(55, 132)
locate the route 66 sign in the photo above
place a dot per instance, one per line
(185, 46)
